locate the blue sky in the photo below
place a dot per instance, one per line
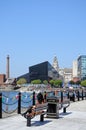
(34, 31)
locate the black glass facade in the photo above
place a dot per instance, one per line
(42, 71)
(26, 76)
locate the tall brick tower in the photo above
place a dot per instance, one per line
(7, 68)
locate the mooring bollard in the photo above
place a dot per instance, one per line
(0, 105)
(82, 95)
(33, 98)
(19, 103)
(68, 95)
(78, 95)
(61, 96)
(45, 95)
(73, 96)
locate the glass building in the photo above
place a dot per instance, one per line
(43, 71)
(82, 67)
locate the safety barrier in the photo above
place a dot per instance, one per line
(14, 102)
(20, 101)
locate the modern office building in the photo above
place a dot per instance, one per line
(26, 76)
(82, 67)
(43, 71)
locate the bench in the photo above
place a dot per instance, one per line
(39, 109)
(42, 109)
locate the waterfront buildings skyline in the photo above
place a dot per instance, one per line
(66, 74)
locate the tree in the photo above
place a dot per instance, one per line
(83, 83)
(58, 83)
(71, 82)
(45, 82)
(74, 82)
(37, 81)
(51, 82)
(78, 82)
(22, 81)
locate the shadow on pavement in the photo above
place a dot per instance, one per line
(65, 114)
(39, 123)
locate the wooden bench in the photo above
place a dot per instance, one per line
(42, 109)
(39, 109)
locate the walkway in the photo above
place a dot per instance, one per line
(74, 119)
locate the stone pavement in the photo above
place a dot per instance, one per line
(74, 119)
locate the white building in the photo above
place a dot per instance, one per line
(66, 73)
(75, 68)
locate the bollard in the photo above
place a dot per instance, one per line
(54, 93)
(45, 96)
(78, 95)
(73, 97)
(68, 95)
(61, 96)
(0, 105)
(19, 103)
(82, 95)
(33, 98)
(28, 121)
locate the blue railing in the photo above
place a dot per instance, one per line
(14, 102)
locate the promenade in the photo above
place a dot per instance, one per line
(74, 119)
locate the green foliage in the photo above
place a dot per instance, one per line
(77, 82)
(45, 82)
(51, 82)
(71, 82)
(83, 83)
(37, 81)
(22, 81)
(58, 83)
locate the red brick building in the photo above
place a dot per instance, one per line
(2, 78)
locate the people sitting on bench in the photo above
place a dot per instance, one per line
(31, 111)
